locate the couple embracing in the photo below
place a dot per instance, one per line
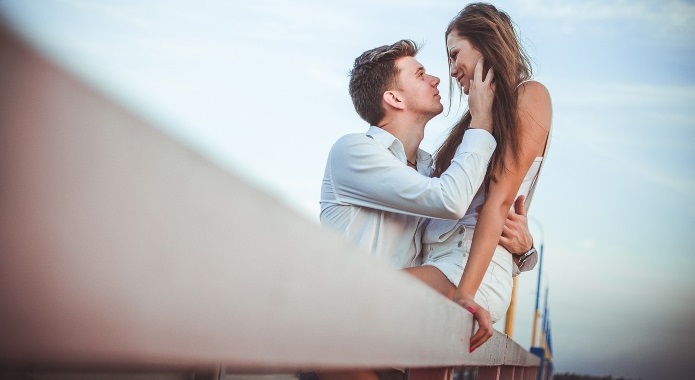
(456, 222)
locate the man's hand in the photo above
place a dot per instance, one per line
(516, 237)
(481, 94)
(483, 318)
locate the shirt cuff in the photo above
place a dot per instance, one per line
(477, 141)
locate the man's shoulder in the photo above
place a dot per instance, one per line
(352, 138)
(352, 141)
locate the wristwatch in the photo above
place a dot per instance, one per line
(522, 258)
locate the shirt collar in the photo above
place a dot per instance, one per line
(382, 137)
(390, 142)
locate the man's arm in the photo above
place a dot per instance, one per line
(363, 173)
(516, 237)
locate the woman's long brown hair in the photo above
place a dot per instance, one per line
(492, 33)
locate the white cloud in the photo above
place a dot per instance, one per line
(585, 93)
(121, 13)
(642, 120)
(676, 13)
(674, 19)
(648, 172)
(588, 244)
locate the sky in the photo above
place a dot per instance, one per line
(261, 89)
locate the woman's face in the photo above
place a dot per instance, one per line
(462, 60)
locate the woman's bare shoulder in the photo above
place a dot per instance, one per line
(533, 90)
(534, 102)
(535, 116)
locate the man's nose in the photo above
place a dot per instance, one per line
(435, 80)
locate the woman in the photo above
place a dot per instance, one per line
(521, 119)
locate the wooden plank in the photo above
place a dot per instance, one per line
(507, 372)
(488, 373)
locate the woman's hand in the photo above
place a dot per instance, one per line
(483, 318)
(481, 94)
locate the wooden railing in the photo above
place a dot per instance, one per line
(123, 250)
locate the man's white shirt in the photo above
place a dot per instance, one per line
(371, 197)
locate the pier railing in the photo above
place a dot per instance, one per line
(121, 250)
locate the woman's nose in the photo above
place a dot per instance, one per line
(453, 71)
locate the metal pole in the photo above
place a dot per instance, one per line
(544, 337)
(509, 319)
(548, 357)
(536, 314)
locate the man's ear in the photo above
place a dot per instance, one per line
(393, 99)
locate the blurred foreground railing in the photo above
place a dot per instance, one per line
(122, 251)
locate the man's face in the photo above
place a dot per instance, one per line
(419, 89)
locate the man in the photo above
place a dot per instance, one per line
(376, 189)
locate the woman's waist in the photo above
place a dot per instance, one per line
(461, 238)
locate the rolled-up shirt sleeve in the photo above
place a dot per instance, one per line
(366, 174)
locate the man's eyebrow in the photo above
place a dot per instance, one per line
(420, 68)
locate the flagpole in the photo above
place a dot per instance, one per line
(536, 314)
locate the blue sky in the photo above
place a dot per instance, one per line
(261, 88)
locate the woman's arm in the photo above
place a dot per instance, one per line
(534, 123)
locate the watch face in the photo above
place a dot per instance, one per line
(527, 254)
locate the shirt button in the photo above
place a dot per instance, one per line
(460, 244)
(460, 230)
